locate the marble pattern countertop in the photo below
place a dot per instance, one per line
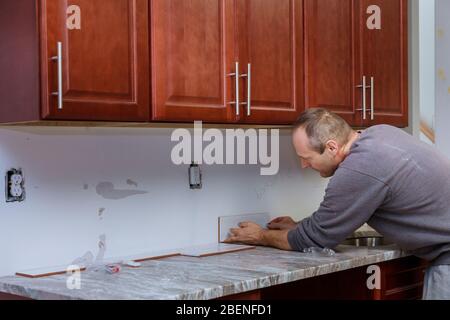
(182, 277)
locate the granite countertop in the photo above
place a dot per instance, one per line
(183, 277)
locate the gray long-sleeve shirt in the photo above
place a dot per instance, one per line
(398, 185)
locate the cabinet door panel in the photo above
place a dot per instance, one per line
(105, 63)
(19, 62)
(270, 37)
(332, 58)
(385, 58)
(192, 55)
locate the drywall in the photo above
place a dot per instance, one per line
(443, 75)
(414, 68)
(82, 183)
(427, 61)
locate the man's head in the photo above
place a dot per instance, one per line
(321, 140)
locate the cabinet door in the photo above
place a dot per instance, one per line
(105, 64)
(332, 58)
(193, 53)
(385, 59)
(270, 39)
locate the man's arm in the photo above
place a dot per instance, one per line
(282, 223)
(350, 201)
(277, 239)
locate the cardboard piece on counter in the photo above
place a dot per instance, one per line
(45, 272)
(228, 222)
(213, 249)
(59, 270)
(141, 257)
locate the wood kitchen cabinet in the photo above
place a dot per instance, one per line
(105, 64)
(219, 61)
(193, 52)
(98, 72)
(401, 279)
(343, 52)
(227, 61)
(385, 62)
(331, 57)
(270, 50)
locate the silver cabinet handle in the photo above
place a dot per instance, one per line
(58, 59)
(372, 98)
(364, 99)
(249, 89)
(237, 77)
(248, 75)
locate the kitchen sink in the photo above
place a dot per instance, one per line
(366, 242)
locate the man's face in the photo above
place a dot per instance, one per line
(326, 163)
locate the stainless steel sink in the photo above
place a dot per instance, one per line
(366, 242)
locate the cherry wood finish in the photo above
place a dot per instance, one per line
(344, 285)
(252, 295)
(401, 279)
(332, 57)
(270, 38)
(340, 50)
(192, 55)
(19, 61)
(193, 58)
(385, 57)
(170, 61)
(105, 63)
(11, 297)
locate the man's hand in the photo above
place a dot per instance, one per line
(248, 233)
(282, 223)
(252, 234)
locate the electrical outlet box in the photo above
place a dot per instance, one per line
(195, 176)
(14, 186)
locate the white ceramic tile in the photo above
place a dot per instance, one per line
(45, 271)
(228, 222)
(149, 255)
(213, 249)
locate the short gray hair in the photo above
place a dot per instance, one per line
(321, 126)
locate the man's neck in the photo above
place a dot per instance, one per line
(354, 136)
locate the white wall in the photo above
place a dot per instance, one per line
(443, 75)
(427, 61)
(414, 68)
(59, 221)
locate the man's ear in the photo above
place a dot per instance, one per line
(332, 147)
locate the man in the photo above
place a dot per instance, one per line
(382, 176)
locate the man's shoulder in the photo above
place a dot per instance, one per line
(381, 139)
(384, 129)
(378, 150)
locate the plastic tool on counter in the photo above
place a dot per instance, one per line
(131, 263)
(113, 268)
